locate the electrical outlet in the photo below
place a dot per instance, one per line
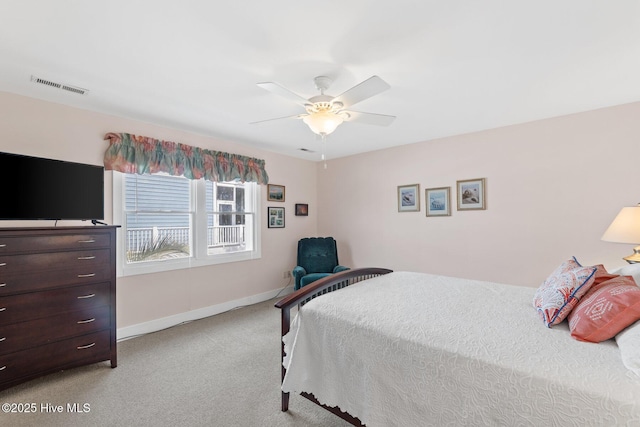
(286, 274)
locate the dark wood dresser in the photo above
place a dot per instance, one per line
(57, 300)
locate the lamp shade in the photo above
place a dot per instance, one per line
(625, 228)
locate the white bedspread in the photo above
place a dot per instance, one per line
(413, 349)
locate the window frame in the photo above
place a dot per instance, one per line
(199, 256)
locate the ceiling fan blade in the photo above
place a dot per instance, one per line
(284, 92)
(366, 89)
(296, 116)
(370, 118)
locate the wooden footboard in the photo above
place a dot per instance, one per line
(303, 295)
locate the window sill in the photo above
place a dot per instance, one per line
(179, 264)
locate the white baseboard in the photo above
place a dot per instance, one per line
(136, 330)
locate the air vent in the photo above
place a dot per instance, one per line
(62, 86)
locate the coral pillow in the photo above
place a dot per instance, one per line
(606, 310)
(632, 270)
(562, 290)
(602, 275)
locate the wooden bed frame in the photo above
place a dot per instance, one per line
(303, 295)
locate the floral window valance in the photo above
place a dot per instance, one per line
(143, 155)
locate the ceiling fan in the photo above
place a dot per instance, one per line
(324, 113)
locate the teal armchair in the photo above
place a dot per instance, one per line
(317, 258)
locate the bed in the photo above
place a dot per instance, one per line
(384, 348)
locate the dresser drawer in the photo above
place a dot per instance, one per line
(15, 265)
(47, 243)
(76, 274)
(19, 308)
(55, 356)
(23, 335)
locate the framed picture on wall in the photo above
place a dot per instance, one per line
(275, 217)
(472, 194)
(438, 201)
(275, 193)
(302, 209)
(409, 198)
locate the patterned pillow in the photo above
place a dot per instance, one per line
(606, 310)
(562, 290)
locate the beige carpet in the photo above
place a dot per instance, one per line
(219, 371)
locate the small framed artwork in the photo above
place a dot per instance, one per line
(276, 217)
(472, 194)
(275, 193)
(302, 209)
(438, 201)
(409, 198)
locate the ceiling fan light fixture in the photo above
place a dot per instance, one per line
(324, 113)
(323, 122)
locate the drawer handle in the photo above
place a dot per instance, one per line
(86, 296)
(87, 241)
(3, 245)
(3, 308)
(2, 264)
(82, 347)
(3, 368)
(86, 275)
(2, 285)
(80, 322)
(3, 338)
(87, 257)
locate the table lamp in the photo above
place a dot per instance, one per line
(625, 228)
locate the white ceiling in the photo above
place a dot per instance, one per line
(454, 66)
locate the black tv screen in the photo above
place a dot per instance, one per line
(38, 188)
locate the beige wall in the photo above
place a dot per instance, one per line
(553, 187)
(33, 127)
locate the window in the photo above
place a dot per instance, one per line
(226, 218)
(170, 222)
(158, 217)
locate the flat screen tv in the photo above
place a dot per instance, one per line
(37, 188)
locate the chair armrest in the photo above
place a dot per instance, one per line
(299, 271)
(340, 268)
